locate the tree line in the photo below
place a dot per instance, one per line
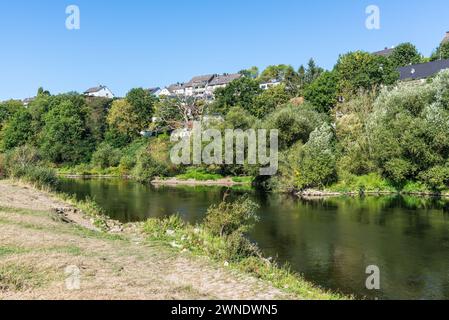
(353, 127)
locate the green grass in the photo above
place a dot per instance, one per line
(89, 170)
(243, 180)
(199, 175)
(11, 250)
(370, 183)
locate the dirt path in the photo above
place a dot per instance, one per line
(43, 258)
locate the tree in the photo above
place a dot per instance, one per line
(252, 72)
(123, 119)
(312, 71)
(442, 52)
(405, 54)
(65, 137)
(408, 129)
(17, 131)
(274, 72)
(322, 92)
(142, 103)
(293, 82)
(269, 100)
(318, 159)
(240, 92)
(294, 124)
(8, 109)
(361, 70)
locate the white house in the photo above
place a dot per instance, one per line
(197, 86)
(99, 92)
(270, 84)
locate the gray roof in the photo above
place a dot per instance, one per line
(224, 79)
(176, 86)
(423, 70)
(94, 89)
(199, 81)
(384, 53)
(153, 90)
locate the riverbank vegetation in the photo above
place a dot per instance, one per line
(354, 128)
(222, 237)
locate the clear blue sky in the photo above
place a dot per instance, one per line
(126, 44)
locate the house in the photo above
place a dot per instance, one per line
(27, 101)
(423, 70)
(270, 84)
(198, 85)
(99, 92)
(385, 52)
(154, 91)
(221, 81)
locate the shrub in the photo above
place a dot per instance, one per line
(231, 217)
(294, 124)
(437, 178)
(106, 156)
(199, 174)
(318, 159)
(25, 163)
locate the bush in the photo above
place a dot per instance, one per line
(199, 174)
(318, 159)
(25, 163)
(294, 124)
(437, 178)
(231, 217)
(106, 156)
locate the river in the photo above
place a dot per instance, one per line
(331, 242)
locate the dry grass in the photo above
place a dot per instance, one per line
(35, 251)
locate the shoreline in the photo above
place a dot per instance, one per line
(316, 194)
(228, 182)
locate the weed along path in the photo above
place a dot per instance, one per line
(45, 257)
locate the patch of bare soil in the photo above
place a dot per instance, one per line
(44, 258)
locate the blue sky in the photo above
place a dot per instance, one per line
(126, 44)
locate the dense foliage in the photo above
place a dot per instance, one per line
(350, 127)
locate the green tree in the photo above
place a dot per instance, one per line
(143, 105)
(318, 159)
(405, 54)
(322, 92)
(442, 52)
(361, 70)
(252, 72)
(274, 72)
(269, 100)
(240, 92)
(312, 71)
(124, 119)
(65, 137)
(294, 124)
(17, 131)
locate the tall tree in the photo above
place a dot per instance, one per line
(65, 137)
(405, 54)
